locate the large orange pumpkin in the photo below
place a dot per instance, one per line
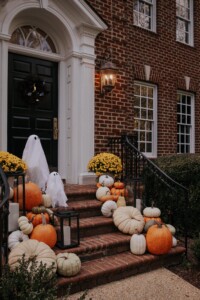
(36, 219)
(159, 239)
(33, 195)
(45, 233)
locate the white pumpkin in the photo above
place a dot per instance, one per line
(148, 224)
(102, 191)
(138, 244)
(108, 208)
(152, 212)
(25, 225)
(68, 264)
(106, 180)
(128, 220)
(171, 228)
(32, 248)
(174, 241)
(15, 238)
(46, 200)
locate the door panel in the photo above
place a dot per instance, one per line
(27, 117)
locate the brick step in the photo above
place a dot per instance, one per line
(116, 267)
(100, 245)
(93, 226)
(96, 225)
(86, 208)
(79, 192)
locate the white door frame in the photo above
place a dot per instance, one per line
(74, 38)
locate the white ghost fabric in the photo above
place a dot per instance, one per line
(33, 155)
(55, 188)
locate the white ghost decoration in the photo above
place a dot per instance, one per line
(55, 188)
(33, 155)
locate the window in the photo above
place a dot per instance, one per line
(185, 123)
(32, 37)
(144, 14)
(145, 118)
(184, 21)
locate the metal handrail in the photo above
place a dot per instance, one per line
(171, 183)
(4, 212)
(134, 162)
(6, 192)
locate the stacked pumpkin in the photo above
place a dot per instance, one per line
(111, 193)
(158, 238)
(36, 222)
(148, 232)
(37, 236)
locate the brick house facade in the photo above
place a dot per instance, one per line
(133, 48)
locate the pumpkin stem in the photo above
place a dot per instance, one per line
(158, 224)
(152, 204)
(43, 219)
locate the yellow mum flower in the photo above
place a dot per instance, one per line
(105, 163)
(11, 163)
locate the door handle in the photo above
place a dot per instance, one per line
(55, 128)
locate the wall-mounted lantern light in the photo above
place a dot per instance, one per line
(108, 73)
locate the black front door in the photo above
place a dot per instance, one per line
(32, 105)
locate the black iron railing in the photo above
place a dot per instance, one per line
(135, 165)
(4, 212)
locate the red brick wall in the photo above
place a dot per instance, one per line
(134, 47)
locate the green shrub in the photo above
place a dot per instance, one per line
(196, 249)
(23, 284)
(185, 169)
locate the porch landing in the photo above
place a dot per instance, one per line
(103, 250)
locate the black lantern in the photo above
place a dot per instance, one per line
(68, 234)
(108, 77)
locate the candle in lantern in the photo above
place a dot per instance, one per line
(67, 235)
(111, 80)
(13, 216)
(106, 80)
(139, 204)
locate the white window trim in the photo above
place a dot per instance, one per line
(152, 154)
(192, 130)
(153, 17)
(191, 26)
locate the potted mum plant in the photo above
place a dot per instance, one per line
(11, 163)
(105, 163)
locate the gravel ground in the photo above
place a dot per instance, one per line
(160, 284)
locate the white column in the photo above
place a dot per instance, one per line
(3, 94)
(62, 122)
(86, 150)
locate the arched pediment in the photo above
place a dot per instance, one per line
(66, 21)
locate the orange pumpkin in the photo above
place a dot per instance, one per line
(159, 239)
(33, 195)
(109, 197)
(146, 219)
(45, 233)
(119, 185)
(36, 219)
(119, 192)
(98, 185)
